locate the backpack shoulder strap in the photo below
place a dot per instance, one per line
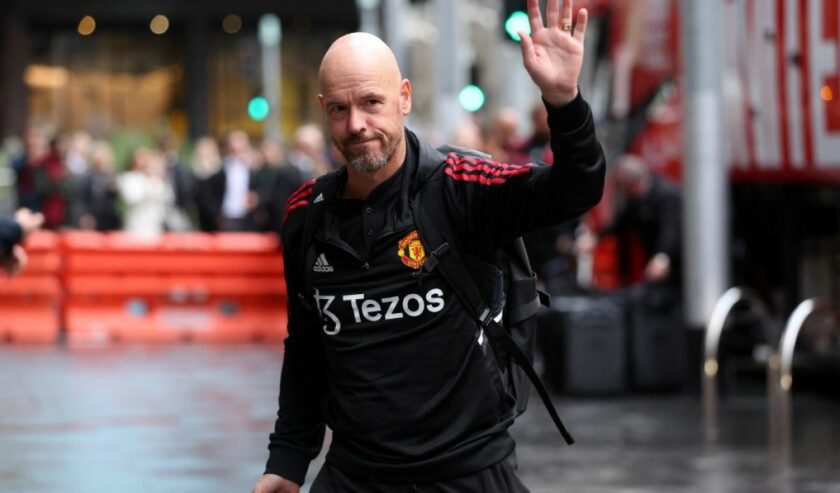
(449, 262)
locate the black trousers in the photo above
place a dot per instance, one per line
(499, 478)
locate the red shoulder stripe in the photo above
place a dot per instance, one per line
(477, 161)
(298, 198)
(482, 179)
(291, 207)
(303, 191)
(489, 169)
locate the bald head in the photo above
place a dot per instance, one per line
(365, 101)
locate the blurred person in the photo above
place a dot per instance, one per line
(309, 152)
(535, 147)
(35, 151)
(13, 232)
(649, 218)
(500, 138)
(401, 371)
(78, 152)
(182, 184)
(145, 193)
(54, 186)
(467, 135)
(207, 160)
(98, 193)
(225, 200)
(274, 184)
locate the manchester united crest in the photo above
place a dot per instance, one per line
(411, 250)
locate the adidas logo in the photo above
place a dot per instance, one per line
(319, 198)
(321, 265)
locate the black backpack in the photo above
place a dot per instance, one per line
(513, 339)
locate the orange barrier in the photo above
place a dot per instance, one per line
(30, 303)
(199, 287)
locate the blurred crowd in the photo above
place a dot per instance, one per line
(233, 185)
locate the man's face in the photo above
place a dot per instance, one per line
(365, 113)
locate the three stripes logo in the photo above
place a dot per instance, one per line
(321, 265)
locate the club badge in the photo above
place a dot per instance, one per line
(411, 250)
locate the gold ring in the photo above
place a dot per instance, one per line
(566, 27)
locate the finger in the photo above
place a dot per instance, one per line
(527, 46)
(580, 27)
(566, 19)
(552, 13)
(534, 15)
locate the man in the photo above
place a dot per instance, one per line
(396, 367)
(224, 199)
(13, 232)
(649, 219)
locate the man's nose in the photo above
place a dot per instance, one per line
(356, 122)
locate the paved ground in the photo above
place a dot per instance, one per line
(195, 419)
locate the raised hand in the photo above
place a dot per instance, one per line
(553, 54)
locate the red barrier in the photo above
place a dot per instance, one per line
(215, 288)
(30, 303)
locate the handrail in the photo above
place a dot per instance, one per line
(800, 315)
(781, 432)
(711, 366)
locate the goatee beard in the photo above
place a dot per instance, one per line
(368, 163)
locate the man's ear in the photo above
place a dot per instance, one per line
(405, 97)
(321, 100)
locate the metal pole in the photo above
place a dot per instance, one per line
(196, 66)
(394, 27)
(369, 16)
(450, 73)
(270, 35)
(706, 200)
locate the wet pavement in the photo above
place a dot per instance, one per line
(191, 418)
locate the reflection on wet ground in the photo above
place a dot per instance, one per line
(195, 419)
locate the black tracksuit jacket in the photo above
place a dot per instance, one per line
(397, 368)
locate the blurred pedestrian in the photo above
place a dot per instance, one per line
(42, 183)
(274, 184)
(54, 186)
(182, 184)
(145, 193)
(98, 193)
(647, 224)
(500, 138)
(309, 152)
(13, 232)
(206, 163)
(402, 371)
(224, 200)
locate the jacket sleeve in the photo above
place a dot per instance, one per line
(502, 201)
(299, 430)
(10, 235)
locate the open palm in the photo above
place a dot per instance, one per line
(553, 53)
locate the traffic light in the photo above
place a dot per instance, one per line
(515, 19)
(472, 96)
(258, 108)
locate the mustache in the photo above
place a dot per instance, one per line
(359, 137)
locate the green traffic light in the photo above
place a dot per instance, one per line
(471, 98)
(517, 21)
(258, 108)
